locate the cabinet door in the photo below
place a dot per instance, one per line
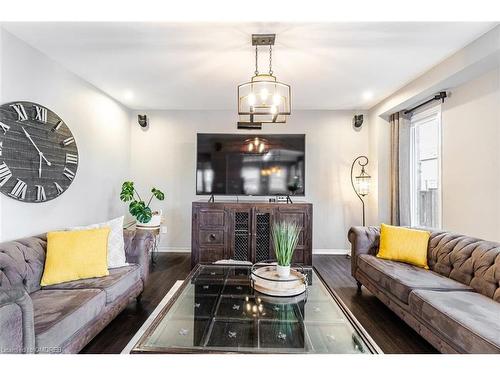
(209, 237)
(262, 247)
(301, 218)
(240, 232)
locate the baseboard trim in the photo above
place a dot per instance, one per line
(331, 252)
(175, 249)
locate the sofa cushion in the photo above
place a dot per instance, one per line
(403, 245)
(468, 319)
(400, 278)
(75, 255)
(61, 313)
(114, 285)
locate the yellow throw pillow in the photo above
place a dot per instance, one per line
(75, 255)
(404, 245)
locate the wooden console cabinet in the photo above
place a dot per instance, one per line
(242, 231)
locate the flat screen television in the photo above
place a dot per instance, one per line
(250, 164)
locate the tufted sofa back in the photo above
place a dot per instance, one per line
(22, 262)
(468, 260)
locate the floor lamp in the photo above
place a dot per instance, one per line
(361, 183)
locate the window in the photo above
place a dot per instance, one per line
(425, 169)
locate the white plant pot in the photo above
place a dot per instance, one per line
(283, 271)
(154, 222)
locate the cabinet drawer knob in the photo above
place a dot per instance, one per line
(212, 237)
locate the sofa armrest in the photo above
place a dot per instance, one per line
(364, 240)
(138, 244)
(17, 328)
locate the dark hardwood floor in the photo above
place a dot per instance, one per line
(388, 331)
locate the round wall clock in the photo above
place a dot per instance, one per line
(38, 153)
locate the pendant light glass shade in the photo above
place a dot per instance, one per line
(264, 99)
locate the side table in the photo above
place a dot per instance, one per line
(156, 234)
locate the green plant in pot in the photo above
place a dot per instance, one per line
(137, 207)
(285, 236)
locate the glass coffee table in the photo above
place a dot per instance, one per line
(217, 311)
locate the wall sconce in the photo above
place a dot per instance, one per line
(142, 120)
(361, 183)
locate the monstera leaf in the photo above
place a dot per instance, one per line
(142, 213)
(158, 194)
(127, 193)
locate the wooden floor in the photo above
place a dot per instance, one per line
(388, 331)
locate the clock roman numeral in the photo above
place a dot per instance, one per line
(57, 126)
(40, 193)
(5, 127)
(5, 174)
(69, 174)
(71, 158)
(41, 114)
(58, 188)
(68, 141)
(21, 112)
(19, 190)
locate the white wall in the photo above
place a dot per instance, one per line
(471, 158)
(165, 156)
(471, 138)
(100, 126)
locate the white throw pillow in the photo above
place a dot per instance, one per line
(116, 244)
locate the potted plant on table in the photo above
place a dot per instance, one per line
(285, 236)
(138, 208)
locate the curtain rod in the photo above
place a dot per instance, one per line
(441, 96)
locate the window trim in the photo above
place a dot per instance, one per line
(416, 117)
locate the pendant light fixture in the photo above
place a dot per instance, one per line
(263, 99)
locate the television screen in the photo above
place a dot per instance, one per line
(244, 164)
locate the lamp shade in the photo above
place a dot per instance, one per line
(264, 100)
(363, 183)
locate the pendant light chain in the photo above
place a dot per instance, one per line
(270, 60)
(256, 61)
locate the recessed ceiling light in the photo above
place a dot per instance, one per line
(128, 95)
(367, 95)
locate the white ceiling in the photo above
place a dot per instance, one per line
(199, 65)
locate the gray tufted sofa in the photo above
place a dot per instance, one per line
(62, 318)
(455, 305)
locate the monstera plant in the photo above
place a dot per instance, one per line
(137, 207)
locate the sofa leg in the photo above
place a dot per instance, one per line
(359, 286)
(139, 298)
